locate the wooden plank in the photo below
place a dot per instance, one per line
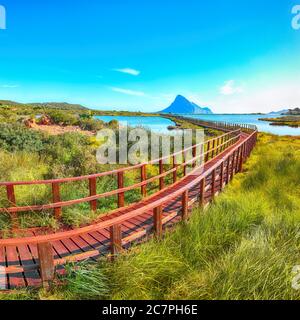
(15, 279)
(3, 276)
(32, 277)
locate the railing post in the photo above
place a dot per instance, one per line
(232, 166)
(93, 192)
(161, 171)
(56, 198)
(157, 221)
(115, 240)
(175, 171)
(213, 184)
(227, 170)
(242, 158)
(222, 175)
(202, 193)
(10, 190)
(213, 149)
(237, 169)
(184, 164)
(185, 204)
(194, 156)
(121, 201)
(46, 263)
(207, 151)
(143, 178)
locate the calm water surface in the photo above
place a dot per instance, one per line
(160, 124)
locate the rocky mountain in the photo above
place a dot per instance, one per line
(182, 105)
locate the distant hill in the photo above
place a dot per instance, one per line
(292, 112)
(279, 112)
(59, 105)
(183, 105)
(8, 103)
(50, 105)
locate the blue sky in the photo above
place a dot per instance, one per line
(234, 55)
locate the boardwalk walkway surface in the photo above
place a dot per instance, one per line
(34, 258)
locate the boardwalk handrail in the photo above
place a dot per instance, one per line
(211, 147)
(113, 221)
(222, 161)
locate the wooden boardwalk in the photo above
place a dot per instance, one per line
(33, 259)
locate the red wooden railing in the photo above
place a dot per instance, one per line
(232, 150)
(213, 147)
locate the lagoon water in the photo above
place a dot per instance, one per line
(157, 124)
(160, 124)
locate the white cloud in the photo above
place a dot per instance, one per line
(9, 86)
(128, 92)
(130, 71)
(265, 99)
(229, 88)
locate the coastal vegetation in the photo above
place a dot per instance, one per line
(290, 121)
(244, 246)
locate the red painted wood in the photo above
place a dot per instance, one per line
(121, 201)
(56, 198)
(116, 240)
(157, 221)
(144, 178)
(161, 171)
(93, 192)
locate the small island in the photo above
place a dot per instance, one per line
(290, 118)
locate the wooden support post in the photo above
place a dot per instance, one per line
(121, 201)
(184, 165)
(194, 156)
(213, 149)
(174, 172)
(46, 263)
(222, 176)
(227, 170)
(10, 190)
(143, 178)
(157, 221)
(207, 151)
(241, 159)
(93, 192)
(232, 166)
(115, 240)
(162, 179)
(56, 198)
(185, 205)
(213, 184)
(202, 193)
(238, 159)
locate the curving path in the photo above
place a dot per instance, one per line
(34, 258)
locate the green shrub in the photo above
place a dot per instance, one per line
(16, 137)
